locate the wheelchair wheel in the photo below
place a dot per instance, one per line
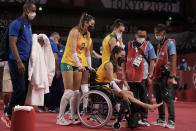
(98, 112)
(116, 126)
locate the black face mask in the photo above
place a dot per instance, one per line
(91, 28)
(120, 60)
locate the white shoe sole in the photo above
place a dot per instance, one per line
(169, 127)
(76, 122)
(63, 124)
(163, 125)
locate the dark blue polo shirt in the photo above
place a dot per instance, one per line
(53, 46)
(60, 54)
(24, 42)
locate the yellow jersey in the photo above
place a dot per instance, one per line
(101, 74)
(82, 44)
(106, 50)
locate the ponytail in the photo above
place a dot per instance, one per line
(84, 17)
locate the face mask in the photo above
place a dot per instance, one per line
(183, 60)
(140, 40)
(120, 60)
(158, 37)
(91, 28)
(118, 35)
(101, 49)
(31, 15)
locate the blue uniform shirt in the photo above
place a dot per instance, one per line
(24, 42)
(171, 48)
(53, 46)
(149, 53)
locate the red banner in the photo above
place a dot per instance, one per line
(187, 77)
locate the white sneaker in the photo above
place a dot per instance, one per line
(159, 122)
(61, 121)
(170, 125)
(143, 122)
(74, 121)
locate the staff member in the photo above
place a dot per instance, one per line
(164, 83)
(71, 65)
(139, 70)
(110, 41)
(54, 89)
(19, 57)
(59, 81)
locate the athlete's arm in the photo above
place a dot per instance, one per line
(112, 43)
(97, 55)
(88, 53)
(73, 43)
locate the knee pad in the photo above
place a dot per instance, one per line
(84, 88)
(68, 94)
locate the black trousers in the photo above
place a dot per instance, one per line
(140, 91)
(164, 93)
(56, 92)
(53, 98)
(20, 85)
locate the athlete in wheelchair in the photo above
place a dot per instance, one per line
(104, 94)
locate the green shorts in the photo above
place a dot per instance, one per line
(67, 67)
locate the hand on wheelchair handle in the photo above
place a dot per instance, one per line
(81, 69)
(91, 69)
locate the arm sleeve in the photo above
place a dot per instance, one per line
(14, 28)
(54, 47)
(150, 52)
(171, 48)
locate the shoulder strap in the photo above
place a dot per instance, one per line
(21, 27)
(142, 53)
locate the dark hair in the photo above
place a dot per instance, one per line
(117, 23)
(160, 27)
(84, 17)
(141, 28)
(115, 50)
(27, 5)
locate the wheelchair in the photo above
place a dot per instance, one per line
(100, 109)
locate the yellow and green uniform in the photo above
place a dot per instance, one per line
(67, 62)
(106, 49)
(101, 74)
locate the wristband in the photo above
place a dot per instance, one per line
(88, 58)
(150, 76)
(75, 57)
(115, 86)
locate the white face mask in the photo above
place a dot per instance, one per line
(158, 37)
(140, 40)
(31, 15)
(118, 35)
